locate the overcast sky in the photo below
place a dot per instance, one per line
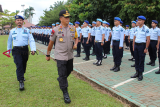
(39, 6)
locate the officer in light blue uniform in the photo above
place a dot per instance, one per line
(152, 49)
(86, 40)
(57, 23)
(126, 36)
(109, 38)
(141, 43)
(99, 41)
(117, 44)
(105, 40)
(131, 35)
(93, 37)
(79, 32)
(20, 36)
(53, 25)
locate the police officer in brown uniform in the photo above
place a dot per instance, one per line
(64, 36)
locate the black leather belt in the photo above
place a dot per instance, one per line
(116, 40)
(21, 47)
(153, 40)
(140, 44)
(85, 37)
(131, 39)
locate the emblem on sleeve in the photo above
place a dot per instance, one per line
(147, 31)
(121, 30)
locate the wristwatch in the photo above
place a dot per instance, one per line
(47, 55)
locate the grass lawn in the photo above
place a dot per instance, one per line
(41, 85)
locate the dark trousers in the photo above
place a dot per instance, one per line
(82, 42)
(131, 48)
(139, 56)
(64, 70)
(45, 39)
(126, 40)
(98, 50)
(92, 43)
(105, 47)
(79, 47)
(117, 53)
(152, 49)
(108, 47)
(20, 59)
(86, 46)
(159, 55)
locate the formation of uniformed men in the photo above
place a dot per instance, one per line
(98, 38)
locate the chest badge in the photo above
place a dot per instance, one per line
(61, 39)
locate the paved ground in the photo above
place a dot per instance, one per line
(144, 93)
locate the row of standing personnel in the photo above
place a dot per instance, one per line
(139, 38)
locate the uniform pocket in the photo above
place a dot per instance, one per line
(25, 37)
(14, 37)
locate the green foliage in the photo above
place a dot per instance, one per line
(8, 18)
(28, 12)
(90, 10)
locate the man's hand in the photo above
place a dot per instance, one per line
(79, 40)
(87, 42)
(102, 44)
(145, 50)
(120, 47)
(105, 41)
(133, 48)
(47, 58)
(32, 52)
(108, 39)
(157, 47)
(75, 47)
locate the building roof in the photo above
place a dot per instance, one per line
(27, 24)
(7, 26)
(1, 8)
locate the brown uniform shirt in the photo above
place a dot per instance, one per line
(63, 38)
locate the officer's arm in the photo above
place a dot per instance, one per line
(148, 38)
(32, 42)
(110, 33)
(103, 34)
(9, 43)
(158, 38)
(89, 34)
(121, 37)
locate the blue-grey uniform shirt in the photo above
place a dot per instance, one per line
(93, 31)
(154, 33)
(78, 31)
(86, 30)
(107, 32)
(20, 37)
(141, 34)
(98, 33)
(118, 34)
(132, 32)
(127, 32)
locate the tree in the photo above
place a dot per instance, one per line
(8, 18)
(28, 13)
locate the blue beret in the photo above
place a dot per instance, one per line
(71, 23)
(57, 22)
(94, 22)
(108, 23)
(155, 21)
(53, 24)
(117, 18)
(121, 22)
(127, 25)
(90, 25)
(99, 20)
(86, 21)
(104, 22)
(134, 22)
(19, 17)
(141, 17)
(77, 22)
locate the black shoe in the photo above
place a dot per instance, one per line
(149, 63)
(135, 75)
(130, 59)
(84, 58)
(158, 72)
(78, 55)
(140, 77)
(53, 47)
(83, 51)
(21, 85)
(133, 65)
(153, 64)
(87, 58)
(99, 63)
(95, 63)
(116, 69)
(105, 56)
(93, 53)
(113, 68)
(66, 95)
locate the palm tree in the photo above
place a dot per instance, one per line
(17, 11)
(25, 14)
(30, 11)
